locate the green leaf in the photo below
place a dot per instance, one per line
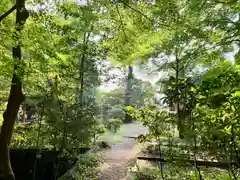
(228, 129)
(236, 94)
(129, 108)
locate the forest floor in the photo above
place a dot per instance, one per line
(122, 152)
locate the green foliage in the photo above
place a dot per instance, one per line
(113, 125)
(54, 43)
(117, 113)
(148, 174)
(181, 172)
(85, 168)
(113, 98)
(63, 45)
(179, 91)
(58, 125)
(25, 136)
(158, 122)
(215, 113)
(209, 108)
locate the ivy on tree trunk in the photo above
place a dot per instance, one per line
(15, 98)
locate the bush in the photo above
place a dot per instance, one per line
(113, 125)
(173, 171)
(148, 174)
(117, 113)
(85, 168)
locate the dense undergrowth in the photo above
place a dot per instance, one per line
(174, 171)
(206, 121)
(86, 167)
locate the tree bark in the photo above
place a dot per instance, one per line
(15, 98)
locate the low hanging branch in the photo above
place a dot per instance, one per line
(8, 12)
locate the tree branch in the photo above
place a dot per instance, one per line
(142, 14)
(8, 12)
(121, 20)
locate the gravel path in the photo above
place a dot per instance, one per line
(116, 159)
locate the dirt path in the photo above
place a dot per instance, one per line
(115, 166)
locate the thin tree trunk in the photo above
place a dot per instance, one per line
(15, 98)
(24, 115)
(179, 119)
(82, 67)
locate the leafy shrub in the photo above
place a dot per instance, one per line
(85, 168)
(113, 125)
(148, 174)
(158, 122)
(117, 113)
(173, 171)
(25, 136)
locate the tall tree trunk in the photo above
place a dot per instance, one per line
(81, 62)
(128, 94)
(179, 119)
(15, 98)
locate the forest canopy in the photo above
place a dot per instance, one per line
(174, 64)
